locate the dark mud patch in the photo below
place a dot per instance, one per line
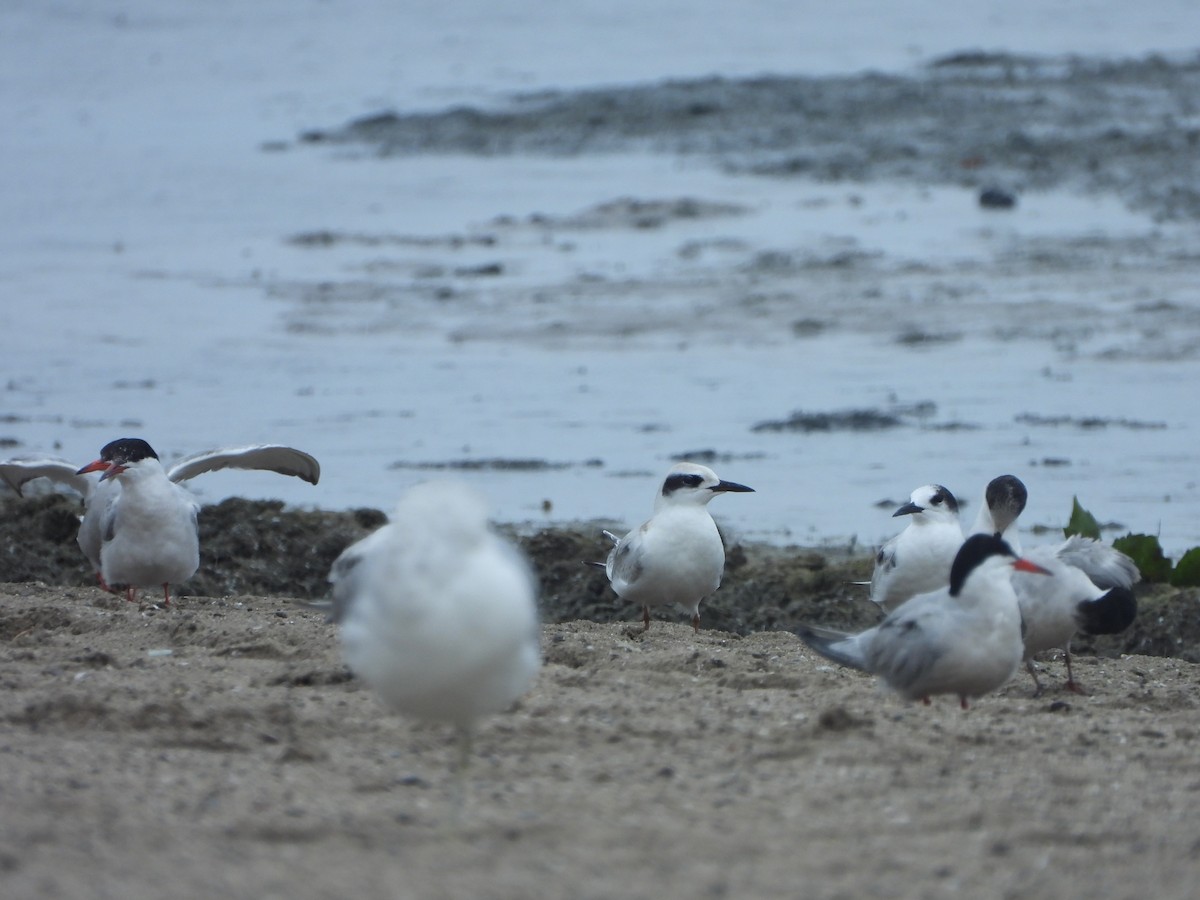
(496, 464)
(635, 213)
(325, 238)
(1087, 423)
(262, 549)
(710, 457)
(1125, 127)
(851, 419)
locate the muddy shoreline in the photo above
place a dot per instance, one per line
(263, 548)
(974, 119)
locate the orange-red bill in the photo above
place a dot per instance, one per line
(1024, 565)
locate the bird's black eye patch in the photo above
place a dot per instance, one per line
(944, 496)
(677, 480)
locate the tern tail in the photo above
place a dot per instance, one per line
(1110, 613)
(835, 646)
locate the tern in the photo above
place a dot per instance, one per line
(918, 559)
(675, 556)
(438, 614)
(1091, 591)
(1004, 500)
(964, 639)
(151, 532)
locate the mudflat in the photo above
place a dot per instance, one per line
(220, 748)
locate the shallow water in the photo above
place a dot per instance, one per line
(568, 325)
(600, 350)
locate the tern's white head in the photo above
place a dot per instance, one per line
(689, 483)
(930, 502)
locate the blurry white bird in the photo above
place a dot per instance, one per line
(918, 559)
(1090, 591)
(102, 496)
(964, 639)
(675, 556)
(438, 614)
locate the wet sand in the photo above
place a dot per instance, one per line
(220, 748)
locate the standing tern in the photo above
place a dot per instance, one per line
(147, 529)
(1054, 609)
(438, 614)
(964, 639)
(675, 556)
(1091, 590)
(103, 517)
(918, 559)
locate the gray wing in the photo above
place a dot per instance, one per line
(885, 567)
(108, 512)
(268, 457)
(904, 649)
(17, 472)
(97, 519)
(1106, 567)
(624, 565)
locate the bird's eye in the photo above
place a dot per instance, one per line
(679, 480)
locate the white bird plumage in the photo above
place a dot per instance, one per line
(1091, 587)
(964, 639)
(918, 559)
(675, 556)
(148, 529)
(152, 532)
(438, 614)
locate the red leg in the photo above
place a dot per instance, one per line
(166, 594)
(131, 594)
(646, 617)
(1072, 685)
(962, 701)
(696, 623)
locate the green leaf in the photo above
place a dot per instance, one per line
(1082, 522)
(1187, 570)
(1145, 550)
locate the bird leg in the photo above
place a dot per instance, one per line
(962, 701)
(1072, 685)
(166, 594)
(104, 585)
(696, 623)
(1037, 684)
(131, 594)
(646, 617)
(926, 701)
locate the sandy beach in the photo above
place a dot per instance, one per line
(220, 748)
